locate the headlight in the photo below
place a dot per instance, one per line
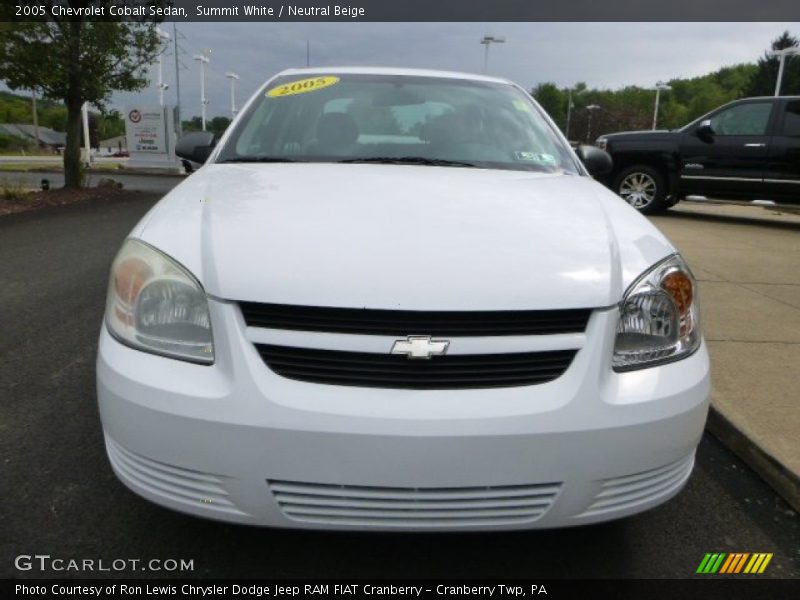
(659, 318)
(155, 305)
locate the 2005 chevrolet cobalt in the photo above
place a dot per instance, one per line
(396, 299)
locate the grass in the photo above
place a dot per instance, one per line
(32, 166)
(23, 166)
(106, 167)
(26, 154)
(13, 191)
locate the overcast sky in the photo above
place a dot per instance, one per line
(608, 55)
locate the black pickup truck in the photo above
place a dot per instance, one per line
(745, 150)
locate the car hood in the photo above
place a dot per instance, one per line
(405, 237)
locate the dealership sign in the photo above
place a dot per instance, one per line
(146, 130)
(150, 135)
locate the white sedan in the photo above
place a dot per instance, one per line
(396, 299)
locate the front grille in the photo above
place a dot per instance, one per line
(368, 321)
(412, 507)
(455, 371)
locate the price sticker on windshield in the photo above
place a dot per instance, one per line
(537, 157)
(302, 86)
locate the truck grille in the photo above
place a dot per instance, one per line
(368, 321)
(455, 371)
(412, 507)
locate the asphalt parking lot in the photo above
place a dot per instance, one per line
(59, 496)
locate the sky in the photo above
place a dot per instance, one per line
(606, 55)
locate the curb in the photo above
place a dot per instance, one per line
(763, 220)
(784, 481)
(109, 173)
(112, 172)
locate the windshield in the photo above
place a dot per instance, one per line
(396, 119)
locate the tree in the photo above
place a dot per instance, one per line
(54, 117)
(110, 125)
(762, 82)
(15, 143)
(631, 107)
(218, 125)
(76, 61)
(553, 100)
(193, 124)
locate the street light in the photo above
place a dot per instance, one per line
(161, 85)
(487, 41)
(660, 87)
(35, 118)
(782, 54)
(203, 60)
(87, 149)
(570, 106)
(591, 108)
(233, 77)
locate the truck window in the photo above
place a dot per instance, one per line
(744, 119)
(791, 120)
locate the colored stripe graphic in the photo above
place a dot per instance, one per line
(764, 564)
(733, 563)
(711, 563)
(754, 563)
(742, 562)
(715, 567)
(703, 563)
(736, 568)
(727, 564)
(758, 563)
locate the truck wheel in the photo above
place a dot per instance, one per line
(643, 188)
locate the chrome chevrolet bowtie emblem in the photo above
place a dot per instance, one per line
(420, 346)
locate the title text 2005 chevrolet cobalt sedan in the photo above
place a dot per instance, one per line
(396, 299)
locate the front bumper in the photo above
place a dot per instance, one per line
(236, 442)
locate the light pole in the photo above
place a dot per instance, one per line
(87, 148)
(782, 54)
(203, 60)
(35, 119)
(233, 77)
(591, 108)
(487, 41)
(178, 125)
(660, 87)
(570, 106)
(162, 87)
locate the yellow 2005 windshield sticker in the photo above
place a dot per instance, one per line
(301, 86)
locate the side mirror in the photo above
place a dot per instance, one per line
(196, 146)
(597, 162)
(704, 130)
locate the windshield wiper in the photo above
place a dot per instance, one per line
(259, 159)
(410, 160)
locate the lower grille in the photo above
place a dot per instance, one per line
(412, 507)
(181, 485)
(623, 492)
(456, 371)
